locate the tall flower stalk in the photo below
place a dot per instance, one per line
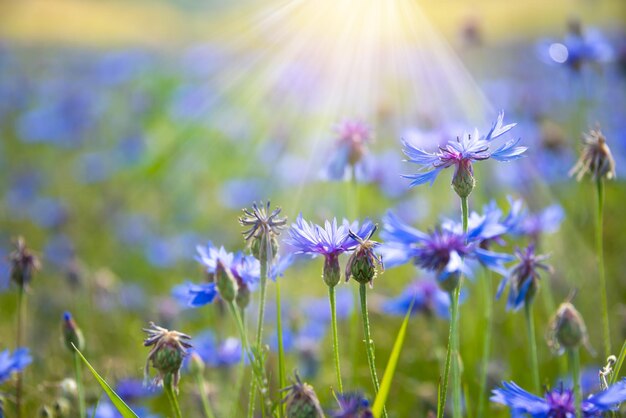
(597, 162)
(532, 343)
(488, 331)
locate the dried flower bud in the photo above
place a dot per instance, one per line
(463, 181)
(363, 264)
(332, 271)
(61, 408)
(302, 401)
(72, 334)
(264, 227)
(567, 329)
(225, 282)
(23, 264)
(596, 158)
(168, 351)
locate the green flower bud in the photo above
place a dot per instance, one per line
(72, 334)
(243, 295)
(463, 180)
(363, 264)
(169, 348)
(196, 365)
(450, 283)
(567, 328)
(225, 282)
(301, 401)
(258, 248)
(332, 271)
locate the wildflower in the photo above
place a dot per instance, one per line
(364, 262)
(351, 146)
(302, 401)
(523, 278)
(558, 402)
(461, 153)
(23, 264)
(329, 241)
(213, 353)
(169, 348)
(521, 222)
(567, 329)
(596, 158)
(352, 405)
(72, 334)
(426, 297)
(264, 227)
(15, 363)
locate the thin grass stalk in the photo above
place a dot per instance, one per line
(82, 410)
(532, 342)
(488, 306)
(601, 272)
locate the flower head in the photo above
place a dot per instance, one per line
(13, 363)
(351, 146)
(523, 278)
(263, 228)
(301, 400)
(72, 335)
(460, 154)
(559, 402)
(352, 405)
(363, 264)
(169, 348)
(426, 297)
(23, 263)
(567, 329)
(596, 158)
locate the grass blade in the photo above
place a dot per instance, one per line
(385, 384)
(618, 365)
(119, 404)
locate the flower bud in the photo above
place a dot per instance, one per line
(263, 228)
(72, 334)
(567, 328)
(259, 249)
(68, 387)
(169, 348)
(363, 263)
(450, 283)
(463, 180)
(23, 264)
(302, 401)
(243, 295)
(196, 365)
(61, 408)
(332, 271)
(225, 282)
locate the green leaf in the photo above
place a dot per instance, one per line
(618, 365)
(119, 404)
(385, 384)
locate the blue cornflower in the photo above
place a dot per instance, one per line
(523, 277)
(132, 390)
(522, 222)
(461, 153)
(426, 297)
(558, 403)
(330, 241)
(351, 146)
(14, 363)
(352, 405)
(441, 251)
(213, 353)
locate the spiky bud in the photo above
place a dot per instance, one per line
(363, 264)
(567, 328)
(196, 365)
(72, 334)
(62, 408)
(264, 227)
(301, 400)
(463, 180)
(225, 282)
(169, 348)
(595, 159)
(332, 271)
(23, 264)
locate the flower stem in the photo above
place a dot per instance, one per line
(369, 343)
(281, 350)
(171, 395)
(21, 307)
(259, 330)
(601, 273)
(333, 316)
(574, 364)
(488, 303)
(208, 412)
(534, 363)
(443, 389)
(79, 386)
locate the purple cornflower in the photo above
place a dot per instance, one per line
(558, 403)
(352, 405)
(523, 278)
(351, 146)
(330, 241)
(426, 297)
(460, 154)
(441, 251)
(13, 363)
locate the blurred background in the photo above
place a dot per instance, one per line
(132, 131)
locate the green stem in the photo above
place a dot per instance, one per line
(18, 342)
(281, 350)
(208, 412)
(79, 385)
(171, 395)
(487, 290)
(443, 390)
(601, 273)
(574, 364)
(259, 332)
(369, 343)
(333, 320)
(534, 362)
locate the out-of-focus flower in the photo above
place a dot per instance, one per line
(350, 147)
(223, 354)
(72, 335)
(301, 400)
(132, 390)
(169, 348)
(596, 158)
(23, 264)
(523, 278)
(567, 329)
(558, 402)
(330, 241)
(426, 297)
(522, 222)
(460, 154)
(352, 405)
(13, 363)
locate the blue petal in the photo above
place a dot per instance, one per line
(516, 398)
(419, 156)
(422, 178)
(509, 151)
(497, 129)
